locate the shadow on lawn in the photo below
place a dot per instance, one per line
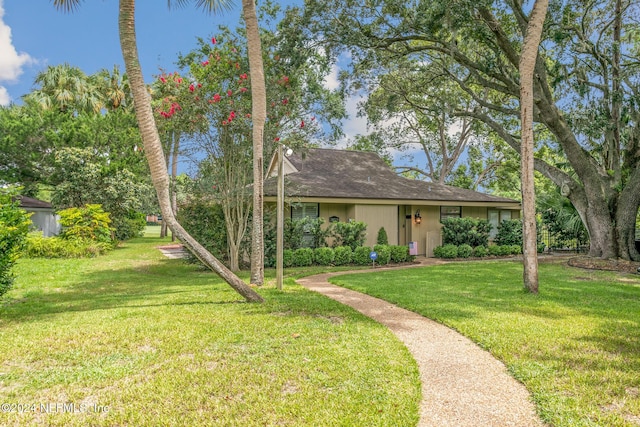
(162, 282)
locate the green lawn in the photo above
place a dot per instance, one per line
(135, 339)
(576, 345)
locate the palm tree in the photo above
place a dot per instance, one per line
(151, 140)
(527, 67)
(115, 88)
(67, 89)
(258, 117)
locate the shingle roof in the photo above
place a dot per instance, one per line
(328, 173)
(30, 202)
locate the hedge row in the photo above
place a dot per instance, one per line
(466, 251)
(344, 255)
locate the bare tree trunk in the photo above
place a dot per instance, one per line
(527, 67)
(154, 153)
(174, 175)
(258, 116)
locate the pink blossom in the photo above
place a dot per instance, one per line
(213, 40)
(243, 89)
(216, 98)
(191, 87)
(229, 92)
(205, 63)
(162, 79)
(276, 139)
(243, 76)
(302, 124)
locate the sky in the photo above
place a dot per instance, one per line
(34, 35)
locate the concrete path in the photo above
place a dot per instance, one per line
(462, 385)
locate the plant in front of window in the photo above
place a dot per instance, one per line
(350, 234)
(470, 231)
(382, 238)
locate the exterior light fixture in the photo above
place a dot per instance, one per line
(417, 217)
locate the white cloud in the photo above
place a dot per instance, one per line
(331, 81)
(5, 99)
(11, 62)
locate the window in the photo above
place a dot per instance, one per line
(450, 212)
(304, 210)
(495, 217)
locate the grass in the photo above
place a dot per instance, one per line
(576, 345)
(133, 338)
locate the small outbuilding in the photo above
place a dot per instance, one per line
(43, 215)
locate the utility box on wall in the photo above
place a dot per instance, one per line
(413, 248)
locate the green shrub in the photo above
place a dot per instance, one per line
(509, 233)
(323, 256)
(342, 255)
(515, 249)
(287, 258)
(399, 253)
(129, 226)
(361, 255)
(382, 238)
(449, 251)
(465, 251)
(480, 251)
(303, 257)
(205, 222)
(14, 226)
(351, 234)
(55, 247)
(470, 231)
(89, 222)
(494, 250)
(384, 254)
(437, 251)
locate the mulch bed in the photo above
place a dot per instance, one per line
(619, 265)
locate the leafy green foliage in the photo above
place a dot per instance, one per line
(465, 251)
(361, 255)
(302, 257)
(470, 231)
(384, 254)
(480, 251)
(399, 253)
(446, 251)
(382, 238)
(38, 246)
(342, 255)
(14, 226)
(323, 256)
(352, 233)
(509, 233)
(205, 222)
(89, 222)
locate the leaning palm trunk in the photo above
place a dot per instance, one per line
(258, 116)
(155, 156)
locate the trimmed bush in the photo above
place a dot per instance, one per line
(351, 234)
(89, 222)
(449, 251)
(470, 231)
(465, 251)
(361, 255)
(384, 254)
(399, 253)
(480, 251)
(303, 257)
(323, 256)
(287, 258)
(342, 255)
(509, 233)
(55, 247)
(382, 238)
(499, 250)
(515, 249)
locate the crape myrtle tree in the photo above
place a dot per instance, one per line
(219, 91)
(152, 144)
(585, 89)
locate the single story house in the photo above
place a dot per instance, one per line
(343, 185)
(43, 216)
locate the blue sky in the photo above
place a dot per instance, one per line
(34, 35)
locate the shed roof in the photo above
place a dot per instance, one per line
(30, 202)
(328, 173)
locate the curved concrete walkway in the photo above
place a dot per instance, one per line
(462, 385)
